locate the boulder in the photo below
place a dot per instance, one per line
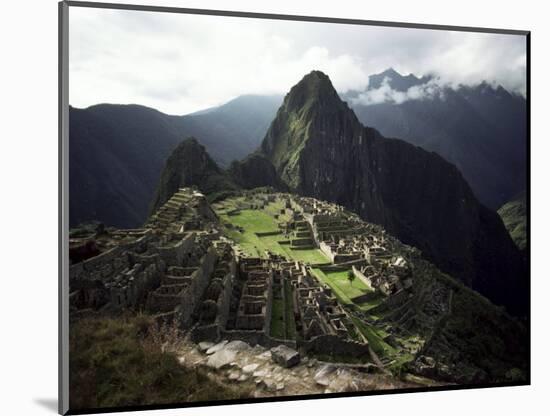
(324, 376)
(237, 346)
(233, 375)
(250, 368)
(221, 359)
(285, 356)
(243, 377)
(216, 348)
(205, 345)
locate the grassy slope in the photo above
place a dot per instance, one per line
(343, 288)
(289, 314)
(514, 216)
(262, 221)
(113, 362)
(277, 316)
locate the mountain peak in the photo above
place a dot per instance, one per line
(312, 89)
(395, 80)
(390, 72)
(190, 165)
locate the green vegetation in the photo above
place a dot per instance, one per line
(119, 362)
(252, 220)
(496, 349)
(372, 303)
(289, 311)
(312, 256)
(344, 288)
(263, 221)
(514, 216)
(282, 312)
(277, 318)
(375, 337)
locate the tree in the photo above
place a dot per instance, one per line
(351, 277)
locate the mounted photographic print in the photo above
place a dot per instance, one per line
(264, 207)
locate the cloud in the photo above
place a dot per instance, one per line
(181, 63)
(434, 88)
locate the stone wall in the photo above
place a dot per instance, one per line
(193, 294)
(225, 300)
(326, 250)
(334, 346)
(176, 254)
(133, 293)
(206, 333)
(361, 276)
(96, 277)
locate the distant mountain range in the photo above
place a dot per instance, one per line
(482, 129)
(117, 152)
(316, 146)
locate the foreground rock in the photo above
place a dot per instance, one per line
(221, 359)
(205, 346)
(323, 377)
(237, 346)
(216, 348)
(285, 356)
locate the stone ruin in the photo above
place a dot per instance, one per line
(181, 266)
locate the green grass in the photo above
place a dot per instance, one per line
(248, 241)
(371, 304)
(282, 311)
(254, 221)
(374, 336)
(274, 208)
(260, 221)
(341, 285)
(313, 256)
(289, 313)
(277, 323)
(271, 243)
(116, 362)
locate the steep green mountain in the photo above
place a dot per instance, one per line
(514, 216)
(190, 165)
(255, 171)
(480, 129)
(320, 149)
(117, 152)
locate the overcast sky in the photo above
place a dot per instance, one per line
(180, 63)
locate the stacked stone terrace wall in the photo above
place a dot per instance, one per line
(132, 295)
(361, 276)
(333, 345)
(225, 300)
(194, 292)
(91, 274)
(175, 255)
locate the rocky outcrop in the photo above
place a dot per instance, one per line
(190, 165)
(320, 149)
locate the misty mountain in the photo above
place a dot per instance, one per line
(482, 129)
(117, 152)
(319, 148)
